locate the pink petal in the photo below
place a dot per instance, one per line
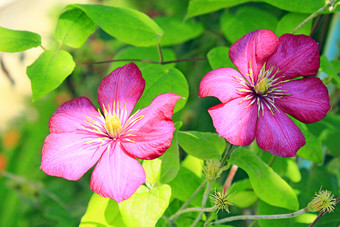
(117, 175)
(71, 115)
(308, 99)
(125, 85)
(278, 134)
(297, 55)
(255, 47)
(155, 129)
(68, 155)
(235, 121)
(220, 83)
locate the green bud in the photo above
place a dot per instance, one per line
(323, 201)
(221, 200)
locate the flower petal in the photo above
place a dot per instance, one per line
(297, 55)
(308, 99)
(124, 85)
(255, 47)
(68, 155)
(220, 83)
(117, 175)
(278, 134)
(71, 115)
(155, 129)
(235, 121)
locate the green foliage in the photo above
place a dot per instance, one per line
(218, 58)
(328, 68)
(246, 19)
(146, 206)
(267, 185)
(203, 145)
(177, 31)
(73, 28)
(127, 25)
(49, 71)
(290, 21)
(16, 41)
(102, 212)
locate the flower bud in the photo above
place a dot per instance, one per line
(323, 201)
(221, 200)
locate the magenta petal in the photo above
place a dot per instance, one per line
(71, 115)
(255, 47)
(124, 85)
(155, 129)
(297, 55)
(308, 99)
(117, 175)
(67, 155)
(235, 121)
(278, 134)
(220, 83)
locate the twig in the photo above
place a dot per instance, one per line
(322, 213)
(141, 60)
(160, 53)
(204, 202)
(256, 217)
(230, 177)
(42, 47)
(226, 155)
(194, 209)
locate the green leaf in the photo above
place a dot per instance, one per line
(193, 164)
(246, 19)
(267, 184)
(73, 28)
(128, 25)
(164, 169)
(313, 148)
(16, 41)
(218, 58)
(145, 53)
(243, 199)
(301, 6)
(199, 7)
(203, 145)
(287, 167)
(49, 71)
(290, 21)
(177, 31)
(101, 212)
(184, 185)
(160, 80)
(332, 130)
(146, 206)
(328, 68)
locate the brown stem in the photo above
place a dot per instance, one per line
(142, 60)
(322, 213)
(230, 177)
(160, 53)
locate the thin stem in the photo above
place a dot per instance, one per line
(193, 209)
(204, 201)
(322, 213)
(230, 177)
(174, 217)
(141, 60)
(226, 155)
(42, 47)
(313, 15)
(256, 217)
(271, 161)
(160, 53)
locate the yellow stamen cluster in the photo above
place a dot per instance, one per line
(262, 86)
(113, 125)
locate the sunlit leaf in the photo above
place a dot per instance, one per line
(146, 206)
(246, 19)
(127, 25)
(16, 41)
(328, 68)
(267, 184)
(177, 31)
(218, 58)
(193, 164)
(290, 21)
(203, 145)
(49, 71)
(74, 27)
(102, 212)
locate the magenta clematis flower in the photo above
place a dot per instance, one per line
(256, 99)
(81, 136)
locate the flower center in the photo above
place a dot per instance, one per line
(113, 125)
(262, 86)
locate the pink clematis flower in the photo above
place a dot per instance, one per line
(81, 136)
(256, 99)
